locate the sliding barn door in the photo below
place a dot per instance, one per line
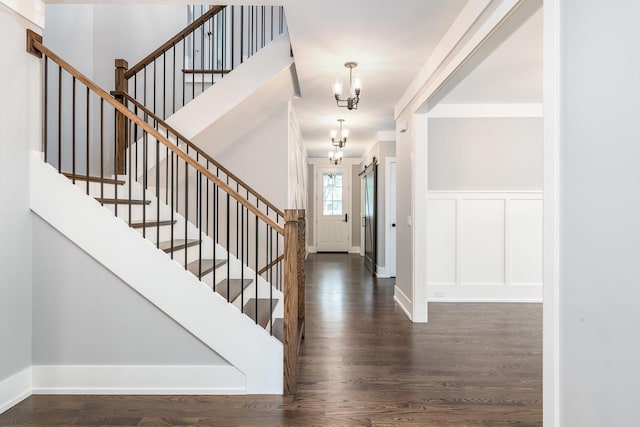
(370, 207)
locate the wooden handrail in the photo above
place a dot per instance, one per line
(199, 151)
(271, 264)
(37, 45)
(172, 41)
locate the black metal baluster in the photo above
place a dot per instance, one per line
(186, 209)
(45, 127)
(257, 268)
(228, 245)
(59, 118)
(73, 129)
(145, 179)
(101, 149)
(173, 185)
(87, 149)
(130, 157)
(157, 193)
(164, 84)
(241, 34)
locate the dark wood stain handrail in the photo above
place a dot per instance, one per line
(172, 41)
(191, 145)
(155, 134)
(271, 264)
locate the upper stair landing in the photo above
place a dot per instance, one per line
(244, 98)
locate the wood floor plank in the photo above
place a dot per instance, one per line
(362, 364)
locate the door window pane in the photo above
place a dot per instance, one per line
(332, 193)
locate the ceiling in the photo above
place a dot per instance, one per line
(512, 73)
(390, 42)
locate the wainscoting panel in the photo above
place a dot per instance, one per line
(484, 246)
(441, 245)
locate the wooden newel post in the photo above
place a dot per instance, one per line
(302, 243)
(121, 123)
(290, 301)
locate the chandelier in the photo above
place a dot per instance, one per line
(335, 156)
(355, 86)
(339, 137)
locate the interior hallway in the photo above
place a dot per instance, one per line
(363, 363)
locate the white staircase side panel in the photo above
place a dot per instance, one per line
(191, 304)
(241, 100)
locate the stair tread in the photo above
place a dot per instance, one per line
(235, 287)
(278, 329)
(141, 224)
(122, 201)
(178, 244)
(264, 314)
(91, 178)
(207, 266)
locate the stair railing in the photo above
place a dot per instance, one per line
(79, 139)
(207, 49)
(271, 270)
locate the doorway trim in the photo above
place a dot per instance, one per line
(345, 168)
(387, 216)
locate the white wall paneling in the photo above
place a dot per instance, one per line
(484, 246)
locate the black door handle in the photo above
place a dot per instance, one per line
(393, 225)
(346, 217)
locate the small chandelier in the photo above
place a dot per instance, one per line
(355, 86)
(335, 156)
(339, 141)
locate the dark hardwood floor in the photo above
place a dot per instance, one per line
(363, 363)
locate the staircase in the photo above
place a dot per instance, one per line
(228, 264)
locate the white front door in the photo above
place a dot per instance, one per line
(333, 203)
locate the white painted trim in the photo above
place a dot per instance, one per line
(113, 243)
(317, 205)
(469, 290)
(551, 213)
(483, 194)
(381, 272)
(324, 161)
(387, 207)
(354, 250)
(419, 211)
(15, 389)
(31, 10)
(463, 22)
(497, 17)
(485, 292)
(311, 249)
(192, 380)
(441, 111)
(403, 301)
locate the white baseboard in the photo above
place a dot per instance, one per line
(403, 301)
(311, 249)
(191, 380)
(382, 273)
(354, 250)
(15, 389)
(483, 292)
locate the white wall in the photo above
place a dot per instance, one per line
(260, 157)
(599, 213)
(91, 37)
(84, 315)
(297, 163)
(19, 132)
(485, 154)
(404, 205)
